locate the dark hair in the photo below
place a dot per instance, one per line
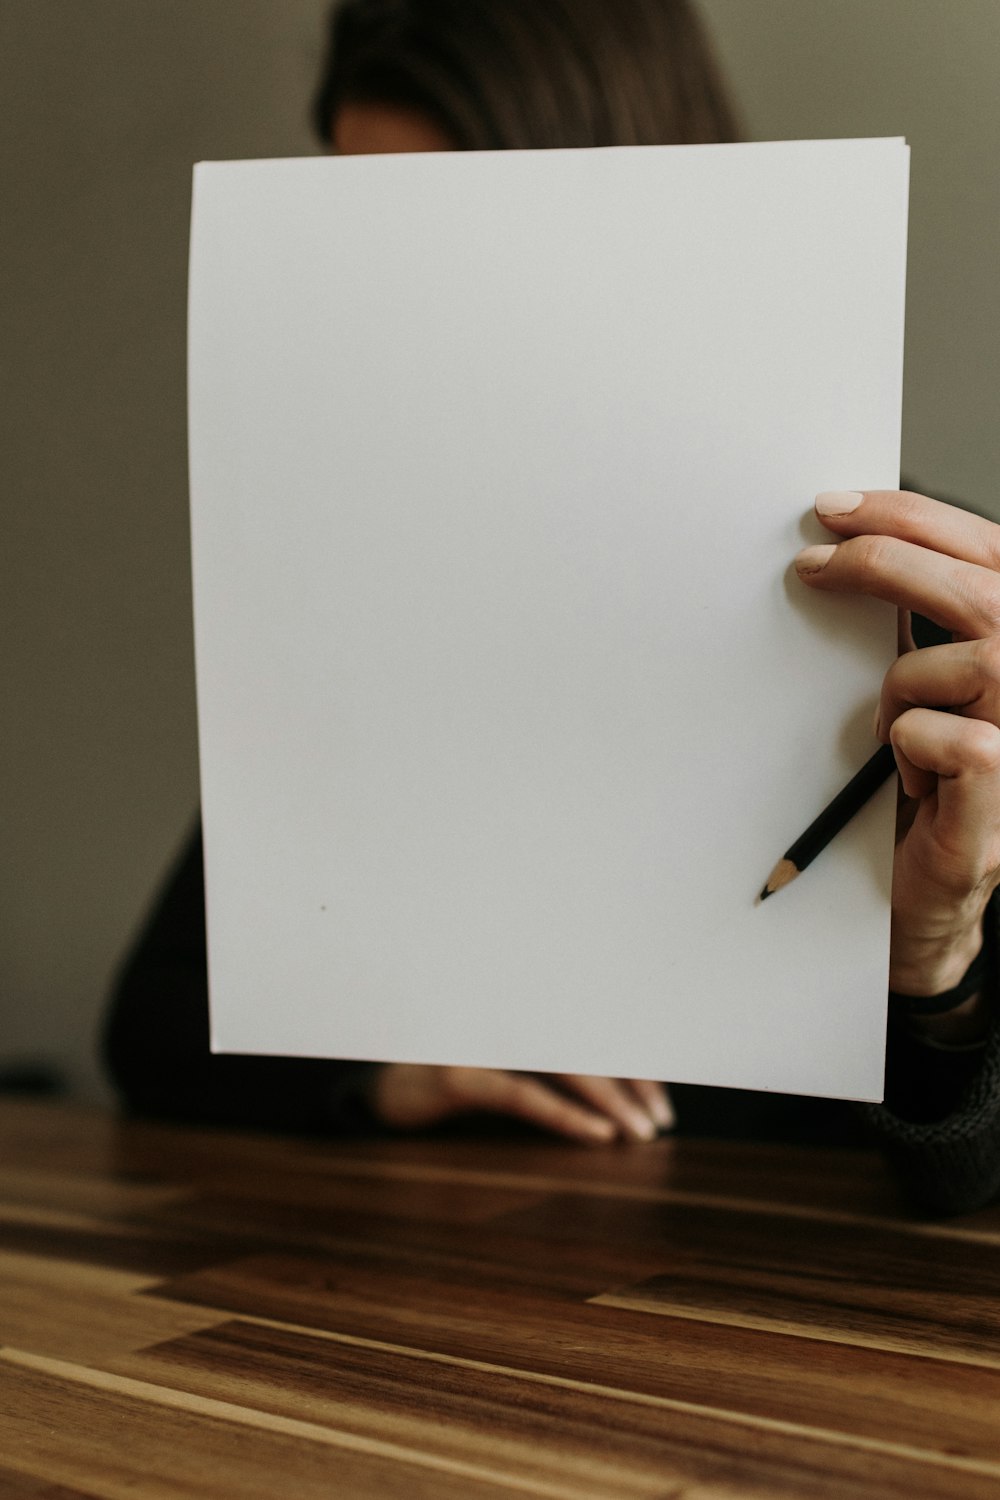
(499, 74)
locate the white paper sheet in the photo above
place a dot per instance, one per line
(508, 697)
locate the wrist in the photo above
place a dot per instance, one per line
(923, 966)
(956, 1014)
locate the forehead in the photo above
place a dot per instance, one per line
(362, 129)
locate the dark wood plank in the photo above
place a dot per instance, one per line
(479, 1317)
(36, 1136)
(16, 1485)
(833, 1280)
(476, 1254)
(540, 1435)
(838, 1280)
(149, 1250)
(881, 1395)
(850, 1181)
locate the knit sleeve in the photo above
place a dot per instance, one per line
(940, 1122)
(156, 1039)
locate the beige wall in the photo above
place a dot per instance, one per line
(106, 103)
(928, 70)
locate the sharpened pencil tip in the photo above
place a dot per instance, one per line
(783, 874)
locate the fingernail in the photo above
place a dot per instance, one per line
(642, 1126)
(877, 722)
(814, 559)
(838, 502)
(603, 1130)
(663, 1115)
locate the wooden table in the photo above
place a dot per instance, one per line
(188, 1313)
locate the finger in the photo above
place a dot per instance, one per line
(916, 781)
(528, 1098)
(613, 1099)
(904, 632)
(959, 760)
(656, 1099)
(408, 1096)
(912, 518)
(964, 676)
(963, 597)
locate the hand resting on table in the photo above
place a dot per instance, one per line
(595, 1110)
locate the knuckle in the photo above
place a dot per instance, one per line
(896, 681)
(520, 1092)
(988, 659)
(595, 1090)
(900, 729)
(457, 1084)
(907, 511)
(871, 556)
(981, 745)
(984, 598)
(987, 542)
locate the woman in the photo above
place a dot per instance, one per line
(419, 75)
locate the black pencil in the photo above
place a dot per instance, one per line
(831, 820)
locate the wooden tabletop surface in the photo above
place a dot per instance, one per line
(190, 1313)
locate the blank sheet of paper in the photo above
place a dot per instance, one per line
(509, 698)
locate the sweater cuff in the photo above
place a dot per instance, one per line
(950, 1157)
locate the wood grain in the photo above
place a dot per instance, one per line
(194, 1313)
(79, 1311)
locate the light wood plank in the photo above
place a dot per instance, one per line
(127, 1438)
(82, 1193)
(81, 1312)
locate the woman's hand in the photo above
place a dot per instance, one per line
(409, 1096)
(940, 710)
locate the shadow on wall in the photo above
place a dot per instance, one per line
(25, 1076)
